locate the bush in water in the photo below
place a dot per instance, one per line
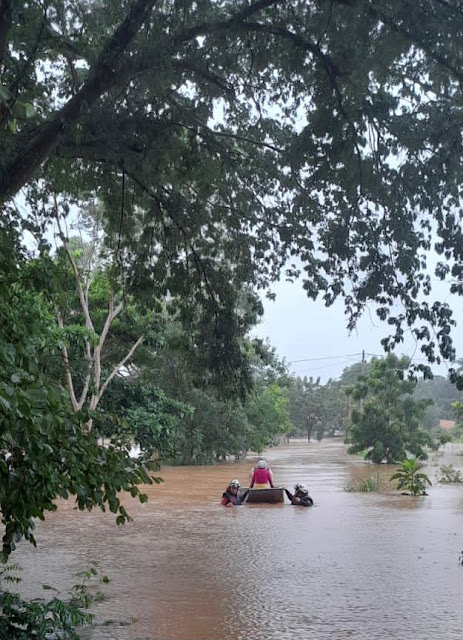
(410, 478)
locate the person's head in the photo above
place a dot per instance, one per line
(234, 486)
(262, 463)
(300, 489)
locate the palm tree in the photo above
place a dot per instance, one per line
(409, 477)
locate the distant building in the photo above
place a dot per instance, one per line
(446, 424)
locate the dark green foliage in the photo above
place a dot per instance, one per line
(225, 137)
(316, 409)
(45, 450)
(443, 394)
(42, 619)
(133, 410)
(220, 423)
(387, 419)
(22, 619)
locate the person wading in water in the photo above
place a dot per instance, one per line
(230, 496)
(300, 497)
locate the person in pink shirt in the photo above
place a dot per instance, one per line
(262, 477)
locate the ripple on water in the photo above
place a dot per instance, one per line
(378, 566)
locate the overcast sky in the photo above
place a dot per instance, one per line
(314, 340)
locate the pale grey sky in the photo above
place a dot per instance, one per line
(316, 336)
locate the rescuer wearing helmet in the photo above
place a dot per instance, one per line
(230, 496)
(262, 477)
(301, 496)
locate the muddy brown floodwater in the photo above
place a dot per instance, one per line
(378, 566)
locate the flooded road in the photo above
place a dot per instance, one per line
(357, 565)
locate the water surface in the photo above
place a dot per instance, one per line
(379, 566)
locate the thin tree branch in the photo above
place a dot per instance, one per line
(102, 77)
(75, 269)
(214, 27)
(112, 314)
(119, 366)
(416, 40)
(67, 369)
(88, 377)
(206, 74)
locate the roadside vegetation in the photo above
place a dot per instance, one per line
(410, 478)
(447, 474)
(374, 482)
(162, 165)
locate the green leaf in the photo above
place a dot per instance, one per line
(29, 110)
(4, 93)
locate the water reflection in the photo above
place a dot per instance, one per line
(356, 565)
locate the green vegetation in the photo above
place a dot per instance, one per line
(443, 395)
(225, 138)
(386, 421)
(410, 479)
(182, 156)
(43, 619)
(448, 475)
(374, 482)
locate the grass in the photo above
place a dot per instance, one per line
(372, 483)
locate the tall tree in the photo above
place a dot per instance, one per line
(253, 131)
(387, 423)
(45, 453)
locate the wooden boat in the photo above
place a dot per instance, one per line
(271, 496)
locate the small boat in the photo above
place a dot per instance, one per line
(271, 496)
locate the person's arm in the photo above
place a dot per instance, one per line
(226, 502)
(290, 496)
(252, 479)
(270, 477)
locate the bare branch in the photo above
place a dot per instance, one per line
(97, 397)
(67, 369)
(75, 269)
(112, 314)
(88, 377)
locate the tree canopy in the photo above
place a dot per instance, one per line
(387, 421)
(225, 137)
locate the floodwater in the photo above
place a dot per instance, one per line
(377, 566)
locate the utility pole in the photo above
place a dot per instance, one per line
(362, 371)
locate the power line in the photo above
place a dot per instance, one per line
(349, 355)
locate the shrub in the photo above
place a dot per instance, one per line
(449, 475)
(372, 483)
(410, 478)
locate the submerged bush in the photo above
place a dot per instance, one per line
(449, 475)
(410, 478)
(372, 483)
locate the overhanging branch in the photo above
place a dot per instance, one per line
(102, 77)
